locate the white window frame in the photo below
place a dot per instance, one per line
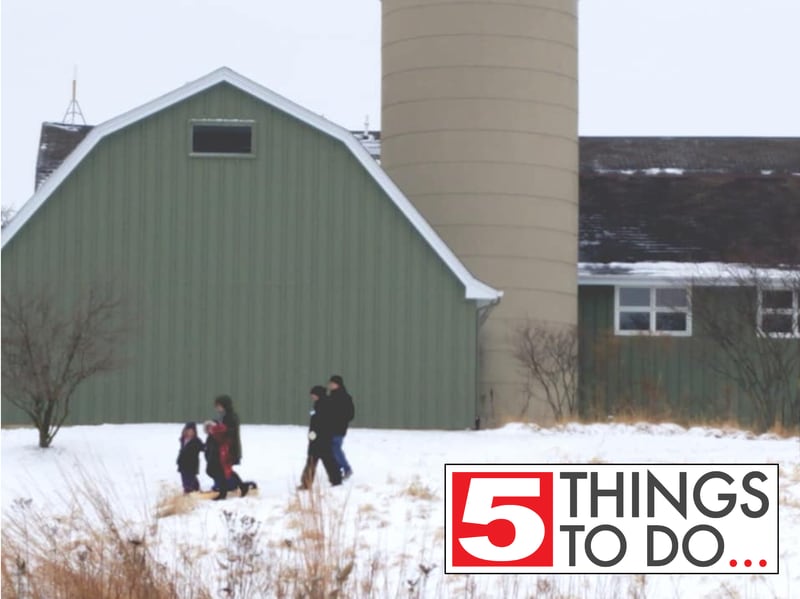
(652, 310)
(794, 312)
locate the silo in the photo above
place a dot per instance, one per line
(479, 129)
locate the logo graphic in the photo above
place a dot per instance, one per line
(611, 518)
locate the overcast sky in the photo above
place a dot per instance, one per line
(647, 67)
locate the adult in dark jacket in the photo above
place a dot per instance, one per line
(224, 406)
(342, 413)
(225, 432)
(213, 463)
(320, 441)
(189, 457)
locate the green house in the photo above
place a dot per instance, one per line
(689, 280)
(258, 249)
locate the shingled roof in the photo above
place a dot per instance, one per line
(690, 200)
(56, 142)
(681, 155)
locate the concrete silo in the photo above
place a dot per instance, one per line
(479, 129)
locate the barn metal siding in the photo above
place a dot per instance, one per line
(257, 277)
(657, 377)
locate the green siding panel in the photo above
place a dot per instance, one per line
(256, 277)
(659, 377)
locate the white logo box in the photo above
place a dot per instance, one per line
(742, 541)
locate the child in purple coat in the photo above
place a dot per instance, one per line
(189, 457)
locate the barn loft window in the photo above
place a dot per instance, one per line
(222, 138)
(652, 310)
(779, 312)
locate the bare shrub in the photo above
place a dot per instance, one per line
(763, 365)
(548, 355)
(241, 559)
(48, 352)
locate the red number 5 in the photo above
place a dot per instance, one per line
(479, 509)
(502, 519)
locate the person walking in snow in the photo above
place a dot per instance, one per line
(189, 457)
(211, 451)
(225, 434)
(342, 413)
(320, 441)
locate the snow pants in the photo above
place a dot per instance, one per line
(190, 482)
(310, 469)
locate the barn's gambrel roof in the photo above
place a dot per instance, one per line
(474, 289)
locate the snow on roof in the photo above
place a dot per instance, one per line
(669, 155)
(371, 140)
(655, 273)
(474, 289)
(56, 142)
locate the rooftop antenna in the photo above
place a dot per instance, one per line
(74, 111)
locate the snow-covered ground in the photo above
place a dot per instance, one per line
(394, 501)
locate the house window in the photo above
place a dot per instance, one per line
(222, 138)
(779, 312)
(652, 310)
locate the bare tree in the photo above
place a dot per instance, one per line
(750, 315)
(48, 352)
(6, 215)
(548, 355)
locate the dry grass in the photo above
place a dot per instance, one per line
(419, 490)
(171, 503)
(94, 553)
(90, 552)
(634, 417)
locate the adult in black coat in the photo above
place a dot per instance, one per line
(224, 405)
(216, 471)
(229, 448)
(342, 413)
(320, 442)
(213, 462)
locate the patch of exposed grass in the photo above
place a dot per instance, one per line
(174, 504)
(419, 490)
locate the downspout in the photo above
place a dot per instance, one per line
(484, 308)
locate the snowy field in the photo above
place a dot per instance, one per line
(393, 505)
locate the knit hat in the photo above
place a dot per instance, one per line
(337, 379)
(226, 402)
(319, 391)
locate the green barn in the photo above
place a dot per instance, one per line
(259, 249)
